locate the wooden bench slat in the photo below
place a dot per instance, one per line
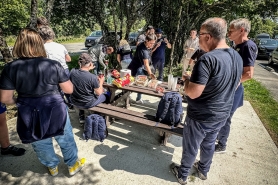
(136, 119)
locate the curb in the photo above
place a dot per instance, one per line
(266, 67)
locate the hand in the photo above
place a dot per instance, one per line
(152, 76)
(101, 79)
(165, 40)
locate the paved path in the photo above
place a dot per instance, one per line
(132, 155)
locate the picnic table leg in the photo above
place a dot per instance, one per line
(164, 138)
(108, 123)
(127, 104)
(113, 94)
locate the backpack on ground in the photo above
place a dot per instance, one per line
(126, 48)
(169, 109)
(95, 128)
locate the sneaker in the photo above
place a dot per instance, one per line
(53, 171)
(219, 149)
(13, 151)
(175, 170)
(140, 101)
(200, 174)
(79, 164)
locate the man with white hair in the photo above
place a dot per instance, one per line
(247, 49)
(210, 91)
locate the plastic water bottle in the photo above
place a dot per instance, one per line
(109, 78)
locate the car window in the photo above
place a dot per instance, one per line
(268, 42)
(96, 34)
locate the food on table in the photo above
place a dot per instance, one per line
(126, 80)
(115, 73)
(153, 83)
(141, 80)
(159, 89)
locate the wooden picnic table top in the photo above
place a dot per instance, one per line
(140, 89)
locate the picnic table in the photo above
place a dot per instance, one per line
(113, 111)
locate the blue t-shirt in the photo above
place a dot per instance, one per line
(124, 55)
(141, 53)
(159, 53)
(248, 51)
(84, 84)
(220, 71)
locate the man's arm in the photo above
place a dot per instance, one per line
(66, 87)
(147, 66)
(247, 73)
(99, 90)
(68, 58)
(7, 97)
(193, 90)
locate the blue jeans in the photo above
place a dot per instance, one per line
(139, 72)
(198, 135)
(159, 64)
(101, 99)
(45, 151)
(97, 67)
(125, 63)
(225, 130)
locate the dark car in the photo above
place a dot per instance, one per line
(273, 57)
(265, 47)
(93, 38)
(132, 37)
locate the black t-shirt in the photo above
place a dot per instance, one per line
(33, 77)
(220, 71)
(84, 84)
(248, 51)
(141, 53)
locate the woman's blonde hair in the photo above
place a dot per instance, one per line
(123, 42)
(29, 44)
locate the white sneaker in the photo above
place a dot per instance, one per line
(140, 101)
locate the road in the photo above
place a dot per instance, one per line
(267, 76)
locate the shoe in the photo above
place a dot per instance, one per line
(175, 170)
(219, 149)
(53, 171)
(200, 174)
(140, 101)
(13, 151)
(79, 164)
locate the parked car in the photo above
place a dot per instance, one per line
(265, 47)
(273, 58)
(132, 37)
(263, 36)
(93, 38)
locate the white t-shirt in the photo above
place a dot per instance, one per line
(56, 52)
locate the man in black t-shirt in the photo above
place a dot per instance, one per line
(247, 49)
(210, 91)
(88, 89)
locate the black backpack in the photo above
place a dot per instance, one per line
(169, 109)
(95, 128)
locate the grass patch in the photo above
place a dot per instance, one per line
(264, 105)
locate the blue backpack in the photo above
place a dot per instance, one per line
(169, 109)
(95, 128)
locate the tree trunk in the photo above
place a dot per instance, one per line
(33, 17)
(49, 9)
(4, 49)
(174, 40)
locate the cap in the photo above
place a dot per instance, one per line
(85, 58)
(158, 30)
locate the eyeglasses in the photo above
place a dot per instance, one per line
(204, 33)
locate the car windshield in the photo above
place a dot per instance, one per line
(268, 42)
(133, 34)
(96, 34)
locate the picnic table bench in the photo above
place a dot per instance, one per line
(137, 117)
